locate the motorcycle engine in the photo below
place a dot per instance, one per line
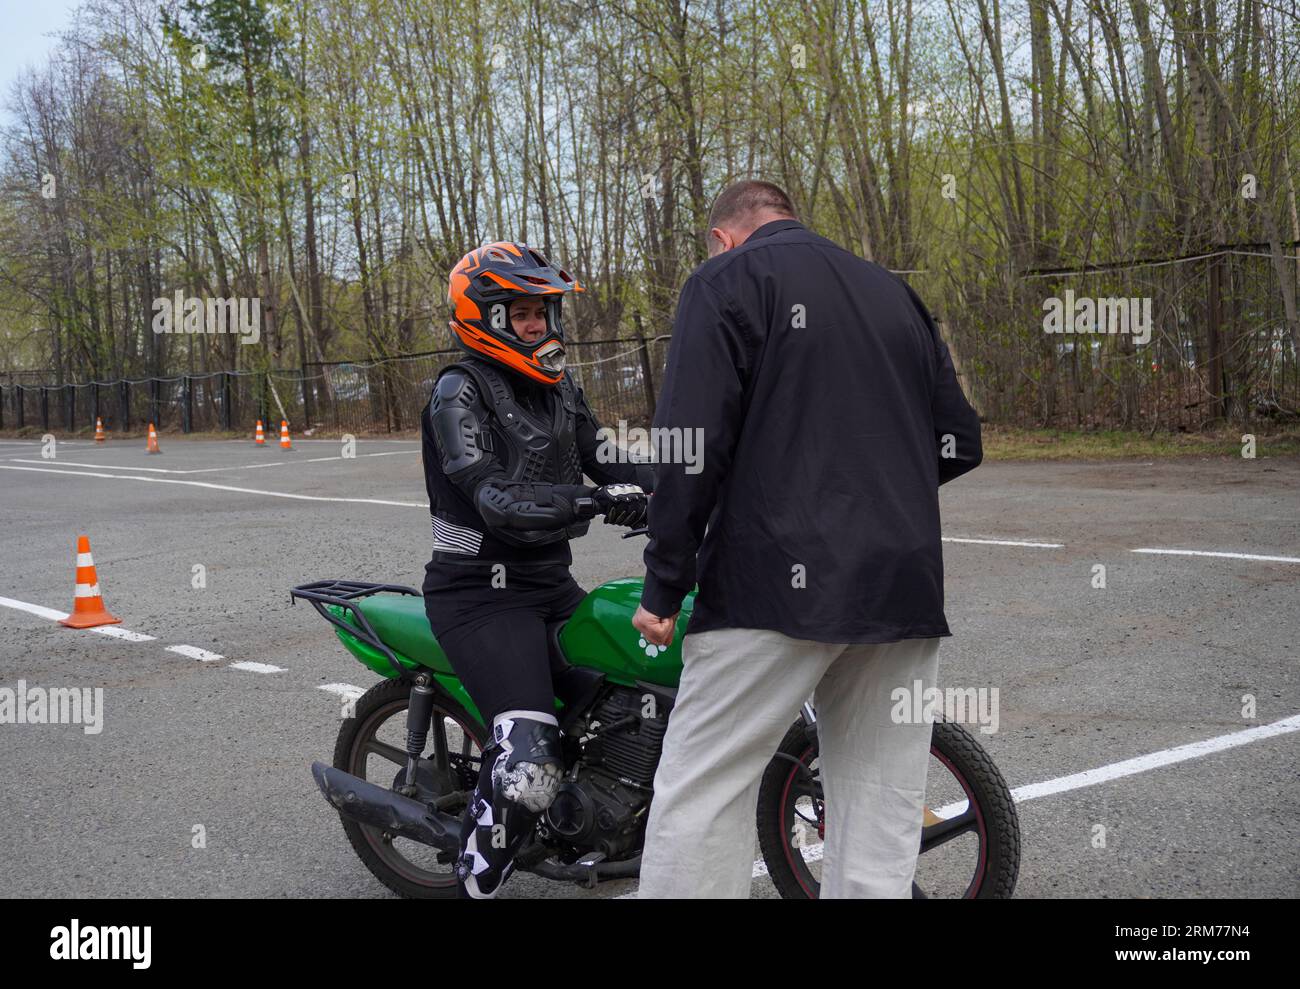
(603, 808)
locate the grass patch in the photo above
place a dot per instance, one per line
(1005, 443)
(1000, 442)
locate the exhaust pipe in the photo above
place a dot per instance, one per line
(366, 803)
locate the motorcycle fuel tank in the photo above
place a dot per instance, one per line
(600, 635)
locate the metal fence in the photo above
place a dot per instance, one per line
(620, 378)
(1220, 349)
(217, 401)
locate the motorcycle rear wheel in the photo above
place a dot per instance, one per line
(372, 746)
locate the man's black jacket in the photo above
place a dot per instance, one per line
(830, 414)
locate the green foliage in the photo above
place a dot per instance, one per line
(335, 158)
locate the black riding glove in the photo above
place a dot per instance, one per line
(623, 504)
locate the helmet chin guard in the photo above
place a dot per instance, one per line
(484, 283)
(551, 355)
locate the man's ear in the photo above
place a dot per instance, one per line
(720, 241)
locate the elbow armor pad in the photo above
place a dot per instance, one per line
(528, 514)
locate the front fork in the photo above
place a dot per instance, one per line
(809, 721)
(810, 733)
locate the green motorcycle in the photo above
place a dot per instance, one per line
(406, 761)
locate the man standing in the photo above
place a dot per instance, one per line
(830, 414)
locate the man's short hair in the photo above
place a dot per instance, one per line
(742, 199)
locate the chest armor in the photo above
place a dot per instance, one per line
(540, 442)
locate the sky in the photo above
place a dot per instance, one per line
(25, 40)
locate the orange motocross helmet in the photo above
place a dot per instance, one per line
(484, 283)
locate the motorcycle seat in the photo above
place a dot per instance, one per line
(401, 623)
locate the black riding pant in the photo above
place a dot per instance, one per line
(496, 637)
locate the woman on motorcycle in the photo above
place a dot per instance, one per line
(507, 436)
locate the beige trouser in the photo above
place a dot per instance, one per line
(740, 691)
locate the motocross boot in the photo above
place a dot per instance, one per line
(519, 779)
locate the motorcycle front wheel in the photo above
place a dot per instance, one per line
(970, 837)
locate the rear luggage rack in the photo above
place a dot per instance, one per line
(341, 594)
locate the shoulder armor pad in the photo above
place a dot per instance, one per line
(455, 387)
(457, 415)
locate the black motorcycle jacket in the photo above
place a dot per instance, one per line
(504, 462)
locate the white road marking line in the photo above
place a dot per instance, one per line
(39, 610)
(1228, 556)
(256, 667)
(118, 632)
(223, 487)
(274, 440)
(1008, 542)
(308, 460)
(1165, 757)
(112, 631)
(208, 470)
(194, 652)
(347, 691)
(115, 440)
(382, 501)
(70, 463)
(25, 443)
(1102, 774)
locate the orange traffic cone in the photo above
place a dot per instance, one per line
(284, 435)
(259, 439)
(152, 445)
(88, 611)
(99, 430)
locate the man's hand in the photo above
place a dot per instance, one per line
(657, 631)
